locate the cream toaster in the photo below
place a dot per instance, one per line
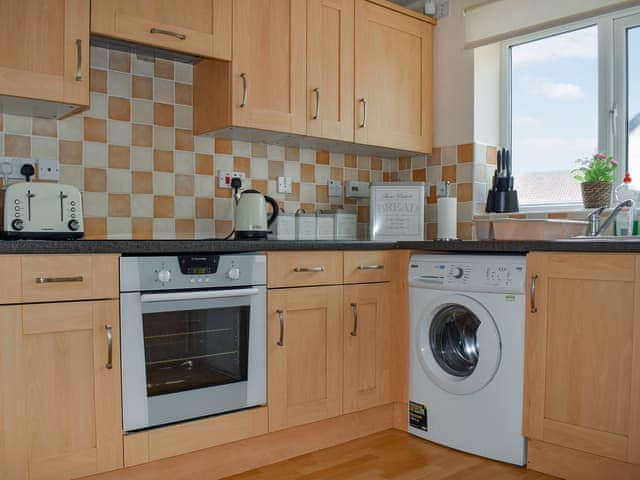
(41, 211)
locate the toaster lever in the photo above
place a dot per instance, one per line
(62, 197)
(29, 197)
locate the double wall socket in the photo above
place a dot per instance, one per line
(225, 177)
(335, 188)
(48, 170)
(10, 166)
(357, 189)
(284, 185)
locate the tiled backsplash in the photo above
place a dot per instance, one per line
(144, 174)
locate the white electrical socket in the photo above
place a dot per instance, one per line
(49, 170)
(335, 188)
(225, 176)
(11, 166)
(284, 185)
(357, 189)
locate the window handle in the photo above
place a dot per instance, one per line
(613, 118)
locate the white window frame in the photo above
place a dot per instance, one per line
(612, 103)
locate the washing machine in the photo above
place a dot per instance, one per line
(467, 353)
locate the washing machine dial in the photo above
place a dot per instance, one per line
(457, 272)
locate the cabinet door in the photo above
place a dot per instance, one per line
(367, 346)
(61, 415)
(305, 355)
(45, 52)
(330, 69)
(269, 65)
(393, 79)
(582, 362)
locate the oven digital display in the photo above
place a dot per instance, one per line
(198, 264)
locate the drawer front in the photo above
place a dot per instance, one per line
(367, 267)
(300, 269)
(47, 278)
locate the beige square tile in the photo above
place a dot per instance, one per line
(364, 163)
(205, 228)
(307, 155)
(223, 162)
(223, 209)
(98, 105)
(44, 148)
(275, 152)
(308, 193)
(119, 228)
(292, 169)
(259, 168)
(118, 180)
(164, 138)
(336, 159)
(141, 111)
(163, 91)
(99, 57)
(95, 154)
(119, 84)
(142, 158)
(164, 228)
(185, 207)
(204, 186)
(350, 174)
(323, 174)
(464, 172)
(450, 155)
(71, 128)
(141, 66)
(17, 124)
(184, 162)
(163, 183)
(142, 206)
(94, 204)
(183, 72)
(241, 149)
(203, 144)
(434, 174)
(72, 175)
(184, 185)
(119, 133)
(183, 117)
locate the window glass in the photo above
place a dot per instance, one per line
(633, 99)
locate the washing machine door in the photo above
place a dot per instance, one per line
(458, 344)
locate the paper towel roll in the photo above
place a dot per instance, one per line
(447, 218)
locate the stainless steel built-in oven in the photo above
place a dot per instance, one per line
(193, 336)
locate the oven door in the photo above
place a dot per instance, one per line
(191, 354)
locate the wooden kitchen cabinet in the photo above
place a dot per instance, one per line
(393, 78)
(44, 62)
(61, 407)
(198, 27)
(582, 362)
(367, 346)
(330, 66)
(304, 355)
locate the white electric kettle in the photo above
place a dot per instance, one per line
(251, 215)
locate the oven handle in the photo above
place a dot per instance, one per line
(199, 295)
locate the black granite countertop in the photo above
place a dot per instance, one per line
(159, 247)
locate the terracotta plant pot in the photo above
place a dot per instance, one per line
(596, 194)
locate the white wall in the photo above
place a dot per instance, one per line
(487, 94)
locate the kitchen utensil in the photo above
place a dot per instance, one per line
(251, 215)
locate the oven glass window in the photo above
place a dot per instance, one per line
(192, 349)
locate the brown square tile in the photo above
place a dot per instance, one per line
(164, 69)
(276, 169)
(322, 194)
(163, 114)
(95, 130)
(432, 231)
(465, 192)
(449, 173)
(119, 61)
(44, 127)
(98, 81)
(119, 205)
(242, 164)
(364, 175)
(222, 192)
(294, 196)
(142, 87)
(363, 214)
(223, 145)
(204, 164)
(17, 146)
(163, 206)
(223, 228)
(141, 135)
(185, 185)
(308, 207)
(307, 173)
(142, 182)
(419, 175)
(518, 216)
(433, 195)
(119, 157)
(162, 161)
(376, 163)
(204, 207)
(184, 94)
(260, 185)
(322, 158)
(184, 140)
(558, 215)
(292, 153)
(465, 230)
(185, 228)
(492, 155)
(119, 109)
(1, 122)
(337, 173)
(142, 228)
(465, 153)
(350, 161)
(386, 176)
(70, 152)
(95, 180)
(404, 163)
(259, 150)
(435, 158)
(95, 228)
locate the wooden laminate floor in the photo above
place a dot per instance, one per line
(389, 455)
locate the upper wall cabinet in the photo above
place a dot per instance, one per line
(44, 62)
(393, 78)
(198, 27)
(330, 69)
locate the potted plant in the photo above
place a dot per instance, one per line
(596, 175)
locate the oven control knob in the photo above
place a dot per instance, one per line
(234, 273)
(458, 272)
(164, 276)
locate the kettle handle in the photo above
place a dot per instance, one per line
(275, 207)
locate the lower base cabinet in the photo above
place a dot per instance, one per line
(60, 407)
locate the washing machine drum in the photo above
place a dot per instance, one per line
(458, 344)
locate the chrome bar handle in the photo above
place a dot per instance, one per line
(363, 102)
(162, 31)
(79, 60)
(534, 308)
(316, 115)
(370, 267)
(245, 90)
(309, 269)
(281, 317)
(354, 307)
(109, 364)
(41, 280)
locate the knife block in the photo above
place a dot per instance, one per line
(502, 202)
